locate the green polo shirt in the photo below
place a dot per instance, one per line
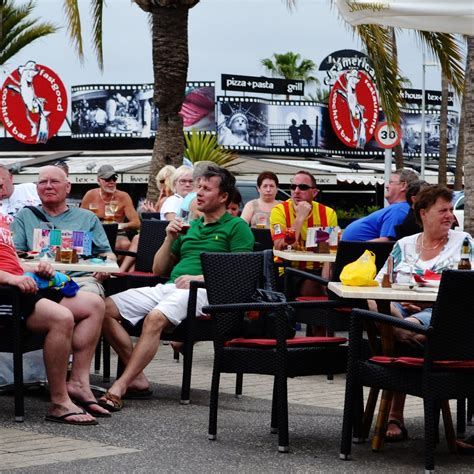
(228, 234)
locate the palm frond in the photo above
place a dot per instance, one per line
(204, 147)
(18, 30)
(97, 8)
(73, 18)
(447, 50)
(379, 47)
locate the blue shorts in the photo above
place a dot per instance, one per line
(423, 316)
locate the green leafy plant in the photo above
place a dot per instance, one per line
(356, 212)
(204, 147)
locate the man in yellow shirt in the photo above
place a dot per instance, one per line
(301, 212)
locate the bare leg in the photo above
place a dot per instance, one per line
(128, 263)
(57, 322)
(88, 310)
(146, 348)
(396, 413)
(122, 243)
(120, 340)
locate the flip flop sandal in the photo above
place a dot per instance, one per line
(463, 447)
(87, 404)
(143, 394)
(64, 419)
(116, 405)
(400, 437)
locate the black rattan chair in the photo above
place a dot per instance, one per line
(263, 239)
(445, 372)
(111, 232)
(231, 281)
(347, 252)
(16, 339)
(151, 216)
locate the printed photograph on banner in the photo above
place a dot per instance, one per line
(113, 110)
(411, 132)
(242, 124)
(198, 110)
(294, 125)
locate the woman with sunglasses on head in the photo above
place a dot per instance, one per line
(107, 201)
(257, 211)
(165, 188)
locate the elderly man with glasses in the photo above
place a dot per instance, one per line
(53, 188)
(119, 203)
(380, 225)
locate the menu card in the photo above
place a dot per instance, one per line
(53, 238)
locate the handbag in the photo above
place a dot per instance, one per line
(361, 272)
(262, 324)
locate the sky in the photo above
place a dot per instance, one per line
(225, 37)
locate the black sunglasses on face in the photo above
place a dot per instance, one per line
(302, 187)
(112, 178)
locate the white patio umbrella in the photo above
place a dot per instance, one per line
(453, 16)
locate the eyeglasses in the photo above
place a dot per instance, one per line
(302, 187)
(185, 181)
(394, 182)
(162, 181)
(112, 178)
(52, 182)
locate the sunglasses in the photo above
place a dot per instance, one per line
(162, 181)
(112, 178)
(302, 187)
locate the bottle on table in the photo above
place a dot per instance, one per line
(465, 262)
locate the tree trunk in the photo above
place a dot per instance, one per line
(458, 173)
(469, 139)
(398, 152)
(443, 132)
(170, 69)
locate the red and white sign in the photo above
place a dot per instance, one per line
(354, 108)
(388, 136)
(33, 103)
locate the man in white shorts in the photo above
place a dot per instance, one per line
(165, 305)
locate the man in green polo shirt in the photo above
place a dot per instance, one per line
(165, 306)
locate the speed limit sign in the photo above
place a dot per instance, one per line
(388, 136)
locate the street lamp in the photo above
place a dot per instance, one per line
(423, 106)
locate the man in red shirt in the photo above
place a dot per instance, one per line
(70, 325)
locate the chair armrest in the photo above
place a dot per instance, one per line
(317, 304)
(390, 320)
(230, 308)
(293, 273)
(126, 253)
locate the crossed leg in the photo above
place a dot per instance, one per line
(135, 359)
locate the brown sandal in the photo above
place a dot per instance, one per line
(116, 405)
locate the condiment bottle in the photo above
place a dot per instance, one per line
(465, 262)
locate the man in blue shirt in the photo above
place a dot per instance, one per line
(380, 225)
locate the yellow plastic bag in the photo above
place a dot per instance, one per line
(361, 272)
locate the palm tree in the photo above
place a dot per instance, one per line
(18, 29)
(469, 138)
(290, 66)
(204, 147)
(443, 132)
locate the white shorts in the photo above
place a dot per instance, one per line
(136, 303)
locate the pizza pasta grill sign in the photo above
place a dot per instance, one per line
(354, 108)
(33, 103)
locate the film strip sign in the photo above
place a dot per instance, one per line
(112, 110)
(411, 132)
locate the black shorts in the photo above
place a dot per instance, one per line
(28, 301)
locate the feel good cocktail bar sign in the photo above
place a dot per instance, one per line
(33, 103)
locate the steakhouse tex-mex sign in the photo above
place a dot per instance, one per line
(265, 85)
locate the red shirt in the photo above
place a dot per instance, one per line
(8, 259)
